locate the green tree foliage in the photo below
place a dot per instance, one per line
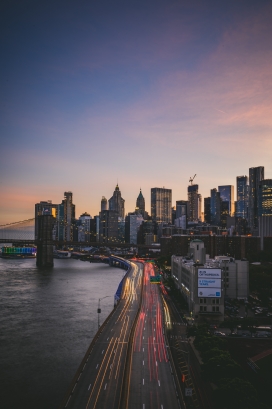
(221, 366)
(208, 341)
(214, 352)
(236, 393)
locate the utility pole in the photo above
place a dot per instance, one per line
(99, 310)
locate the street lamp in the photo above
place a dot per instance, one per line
(99, 309)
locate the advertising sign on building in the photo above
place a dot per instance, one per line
(209, 282)
(209, 273)
(209, 292)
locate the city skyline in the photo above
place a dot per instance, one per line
(142, 94)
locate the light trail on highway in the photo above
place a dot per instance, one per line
(99, 380)
(152, 383)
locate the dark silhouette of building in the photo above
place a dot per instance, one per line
(194, 200)
(108, 226)
(227, 195)
(161, 205)
(256, 175)
(104, 204)
(242, 189)
(140, 204)
(117, 203)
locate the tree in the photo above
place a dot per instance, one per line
(221, 366)
(236, 393)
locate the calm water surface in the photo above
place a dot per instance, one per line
(47, 321)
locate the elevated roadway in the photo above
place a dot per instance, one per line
(152, 383)
(128, 363)
(98, 382)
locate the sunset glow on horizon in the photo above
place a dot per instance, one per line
(144, 93)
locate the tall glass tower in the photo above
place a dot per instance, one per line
(227, 195)
(256, 175)
(161, 205)
(265, 198)
(194, 200)
(242, 197)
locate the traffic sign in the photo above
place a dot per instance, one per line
(155, 279)
(188, 392)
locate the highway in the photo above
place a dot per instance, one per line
(151, 383)
(98, 382)
(128, 363)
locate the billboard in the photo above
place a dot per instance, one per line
(209, 292)
(209, 273)
(209, 282)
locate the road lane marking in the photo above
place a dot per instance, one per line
(105, 387)
(96, 366)
(156, 363)
(68, 401)
(143, 381)
(107, 338)
(74, 388)
(143, 338)
(143, 349)
(159, 383)
(143, 362)
(89, 386)
(103, 352)
(161, 406)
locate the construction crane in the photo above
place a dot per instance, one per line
(191, 179)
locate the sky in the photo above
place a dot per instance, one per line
(143, 93)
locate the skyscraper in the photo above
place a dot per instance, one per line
(227, 195)
(207, 210)
(242, 197)
(161, 204)
(215, 207)
(108, 226)
(140, 203)
(265, 209)
(256, 175)
(104, 204)
(194, 199)
(117, 203)
(66, 218)
(265, 198)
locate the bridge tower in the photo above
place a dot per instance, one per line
(44, 242)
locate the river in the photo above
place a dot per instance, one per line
(48, 319)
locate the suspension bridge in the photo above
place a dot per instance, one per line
(23, 230)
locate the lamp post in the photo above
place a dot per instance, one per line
(99, 309)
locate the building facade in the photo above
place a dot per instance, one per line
(84, 227)
(117, 203)
(132, 226)
(215, 207)
(199, 284)
(256, 175)
(242, 191)
(108, 226)
(161, 205)
(66, 218)
(140, 204)
(194, 203)
(227, 195)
